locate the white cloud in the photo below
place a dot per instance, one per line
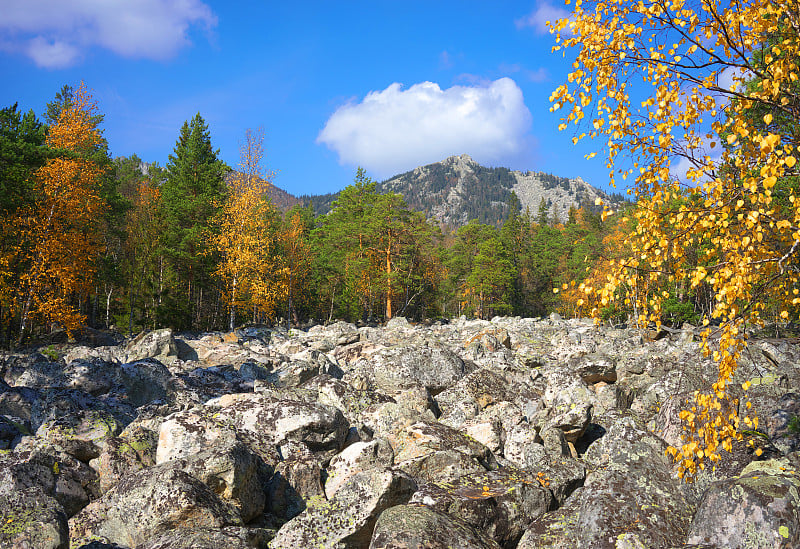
(395, 130)
(52, 55)
(54, 33)
(539, 17)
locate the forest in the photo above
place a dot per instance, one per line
(90, 240)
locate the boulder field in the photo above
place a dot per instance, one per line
(468, 434)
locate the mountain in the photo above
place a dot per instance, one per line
(458, 189)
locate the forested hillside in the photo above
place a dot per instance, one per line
(197, 245)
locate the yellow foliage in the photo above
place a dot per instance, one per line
(245, 236)
(61, 229)
(679, 54)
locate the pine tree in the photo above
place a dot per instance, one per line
(22, 152)
(192, 194)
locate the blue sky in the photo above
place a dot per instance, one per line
(335, 85)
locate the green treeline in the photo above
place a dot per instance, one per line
(173, 249)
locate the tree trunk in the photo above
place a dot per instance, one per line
(130, 308)
(330, 313)
(108, 306)
(289, 304)
(388, 283)
(232, 321)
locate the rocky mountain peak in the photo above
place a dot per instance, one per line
(458, 189)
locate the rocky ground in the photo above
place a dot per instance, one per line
(470, 434)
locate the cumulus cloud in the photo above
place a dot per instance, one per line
(52, 55)
(539, 17)
(395, 130)
(54, 33)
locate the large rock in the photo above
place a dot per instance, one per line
(351, 401)
(145, 380)
(149, 503)
(500, 504)
(17, 403)
(338, 333)
(231, 537)
(523, 447)
(392, 370)
(357, 457)
(594, 368)
(783, 424)
(219, 455)
(30, 519)
(91, 415)
(347, 520)
(36, 464)
(555, 530)
(483, 388)
(296, 481)
(82, 434)
(419, 447)
(158, 344)
(35, 371)
(316, 427)
(412, 526)
(633, 491)
(134, 450)
(760, 508)
(91, 375)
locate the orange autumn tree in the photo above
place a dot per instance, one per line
(714, 86)
(297, 260)
(244, 235)
(60, 229)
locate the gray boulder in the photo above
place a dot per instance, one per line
(500, 504)
(158, 344)
(759, 508)
(335, 392)
(347, 520)
(783, 424)
(411, 526)
(318, 428)
(37, 464)
(133, 450)
(357, 457)
(296, 482)
(230, 537)
(30, 519)
(391, 370)
(149, 503)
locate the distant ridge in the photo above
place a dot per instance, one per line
(282, 200)
(458, 189)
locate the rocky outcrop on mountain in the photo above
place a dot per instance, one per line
(458, 189)
(509, 433)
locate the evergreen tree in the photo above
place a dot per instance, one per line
(22, 152)
(191, 195)
(63, 99)
(481, 273)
